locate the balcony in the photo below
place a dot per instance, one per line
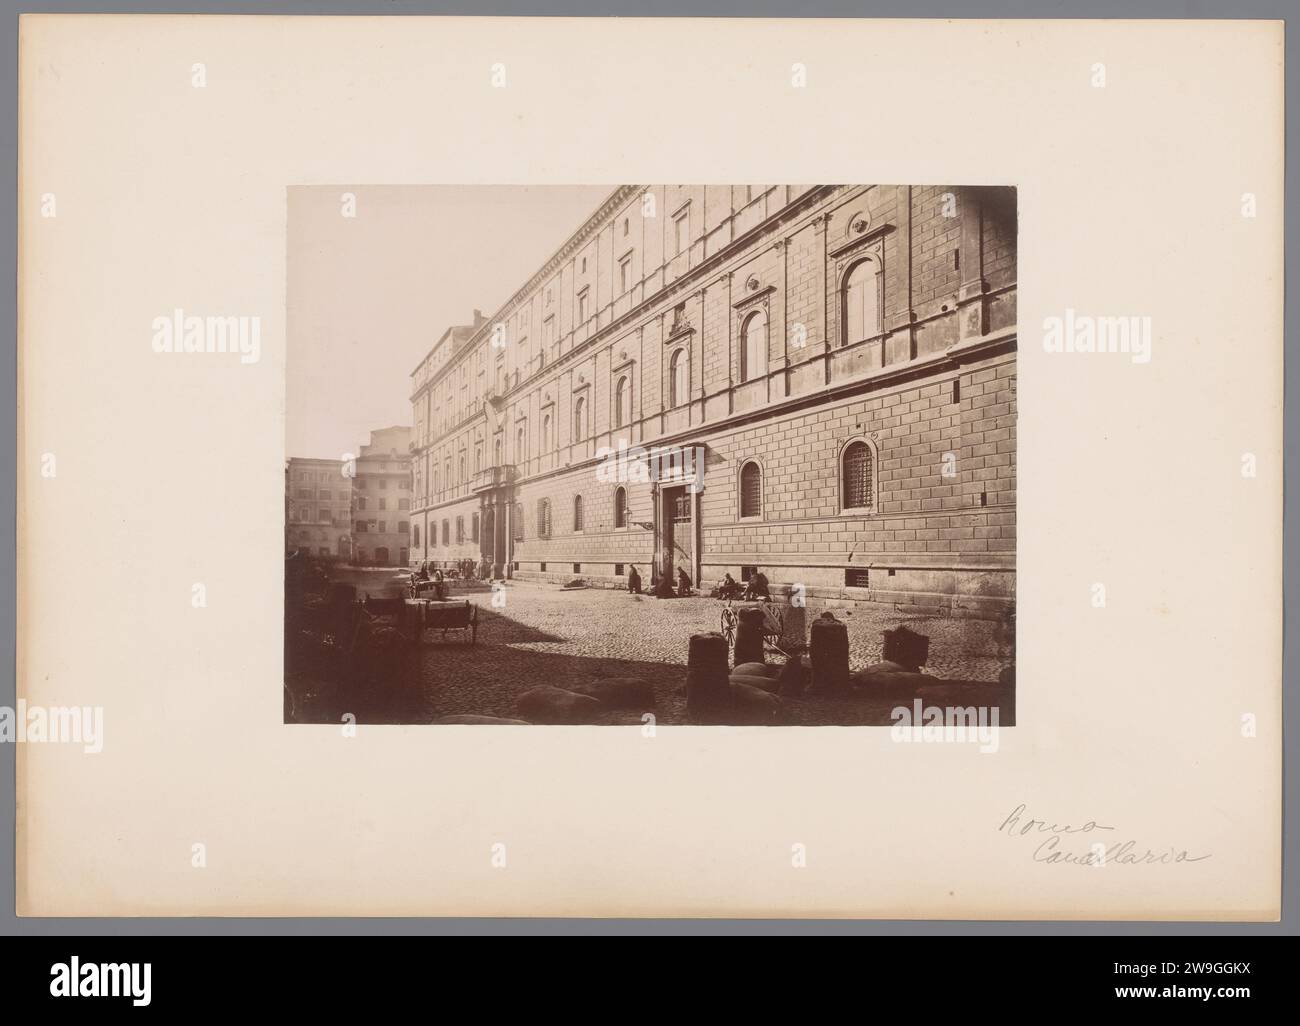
(493, 477)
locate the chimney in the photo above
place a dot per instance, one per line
(478, 317)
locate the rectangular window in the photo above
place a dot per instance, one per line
(402, 526)
(625, 274)
(383, 527)
(383, 503)
(582, 307)
(361, 502)
(857, 578)
(361, 527)
(577, 568)
(747, 572)
(618, 570)
(403, 503)
(543, 567)
(324, 516)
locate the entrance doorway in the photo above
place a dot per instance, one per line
(679, 533)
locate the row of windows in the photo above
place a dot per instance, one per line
(446, 532)
(860, 320)
(402, 483)
(323, 516)
(383, 503)
(378, 526)
(857, 477)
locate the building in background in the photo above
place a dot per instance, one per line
(381, 499)
(841, 361)
(318, 508)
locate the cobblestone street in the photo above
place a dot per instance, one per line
(546, 635)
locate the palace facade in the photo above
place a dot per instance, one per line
(841, 360)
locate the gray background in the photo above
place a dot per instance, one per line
(10, 925)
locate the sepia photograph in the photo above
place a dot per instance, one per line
(676, 454)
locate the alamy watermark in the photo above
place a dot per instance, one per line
(36, 724)
(1083, 333)
(180, 333)
(934, 724)
(667, 464)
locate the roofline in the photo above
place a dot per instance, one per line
(598, 216)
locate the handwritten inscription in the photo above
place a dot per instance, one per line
(1064, 843)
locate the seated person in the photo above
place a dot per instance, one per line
(422, 571)
(633, 581)
(757, 587)
(683, 582)
(664, 587)
(729, 588)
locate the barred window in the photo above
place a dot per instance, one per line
(620, 507)
(460, 530)
(577, 512)
(751, 490)
(857, 476)
(446, 532)
(544, 518)
(519, 521)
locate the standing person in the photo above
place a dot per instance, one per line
(634, 581)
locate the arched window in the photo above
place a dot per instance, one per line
(520, 455)
(861, 294)
(543, 518)
(753, 346)
(460, 470)
(496, 453)
(751, 490)
(546, 433)
(677, 378)
(857, 472)
(580, 419)
(577, 512)
(620, 507)
(622, 402)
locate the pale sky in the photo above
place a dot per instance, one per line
(368, 296)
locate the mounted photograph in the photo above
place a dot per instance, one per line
(651, 454)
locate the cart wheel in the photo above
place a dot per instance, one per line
(729, 621)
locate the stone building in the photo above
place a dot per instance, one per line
(832, 367)
(318, 504)
(381, 499)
